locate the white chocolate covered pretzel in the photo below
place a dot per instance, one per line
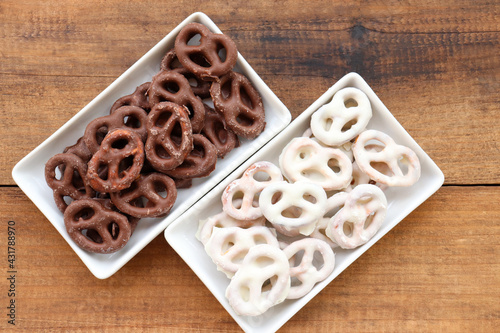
(248, 188)
(343, 118)
(304, 272)
(262, 281)
(360, 218)
(305, 159)
(345, 147)
(228, 246)
(402, 167)
(222, 220)
(293, 206)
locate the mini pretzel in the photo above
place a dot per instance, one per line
(228, 246)
(72, 182)
(199, 86)
(215, 130)
(110, 230)
(138, 98)
(122, 153)
(262, 281)
(150, 188)
(170, 137)
(305, 159)
(248, 188)
(222, 220)
(203, 59)
(174, 87)
(303, 268)
(343, 118)
(200, 162)
(360, 218)
(392, 155)
(278, 199)
(236, 98)
(132, 118)
(333, 205)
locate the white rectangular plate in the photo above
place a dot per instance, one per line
(401, 201)
(29, 172)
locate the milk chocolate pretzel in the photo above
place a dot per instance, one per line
(236, 98)
(200, 162)
(174, 87)
(216, 131)
(80, 149)
(108, 204)
(132, 118)
(170, 137)
(150, 188)
(110, 230)
(72, 183)
(138, 98)
(204, 59)
(199, 87)
(122, 152)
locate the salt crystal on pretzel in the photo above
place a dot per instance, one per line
(394, 165)
(278, 202)
(343, 118)
(248, 188)
(361, 217)
(228, 246)
(305, 269)
(305, 159)
(262, 281)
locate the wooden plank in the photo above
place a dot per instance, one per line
(436, 271)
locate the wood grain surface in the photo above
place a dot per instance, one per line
(434, 64)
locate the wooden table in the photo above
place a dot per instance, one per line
(436, 66)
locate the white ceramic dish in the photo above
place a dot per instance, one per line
(29, 172)
(401, 201)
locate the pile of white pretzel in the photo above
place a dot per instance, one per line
(275, 236)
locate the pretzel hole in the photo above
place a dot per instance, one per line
(245, 98)
(67, 199)
(296, 260)
(193, 82)
(347, 126)
(132, 122)
(125, 165)
(92, 235)
(276, 197)
(114, 230)
(403, 165)
(368, 221)
(268, 284)
(255, 200)
(220, 132)
(171, 87)
(292, 212)
(318, 260)
(227, 245)
(364, 200)
(163, 118)
(100, 134)
(244, 120)
(85, 213)
(264, 261)
(59, 171)
(221, 52)
(327, 124)
(245, 293)
(348, 229)
(191, 111)
(200, 60)
(350, 103)
(225, 89)
(295, 282)
(161, 152)
(259, 239)
(237, 199)
(383, 168)
(119, 144)
(194, 39)
(333, 164)
(262, 176)
(160, 189)
(310, 198)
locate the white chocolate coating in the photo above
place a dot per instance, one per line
(305, 270)
(343, 118)
(262, 281)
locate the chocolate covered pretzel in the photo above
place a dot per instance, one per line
(174, 87)
(235, 97)
(216, 131)
(204, 59)
(138, 98)
(109, 230)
